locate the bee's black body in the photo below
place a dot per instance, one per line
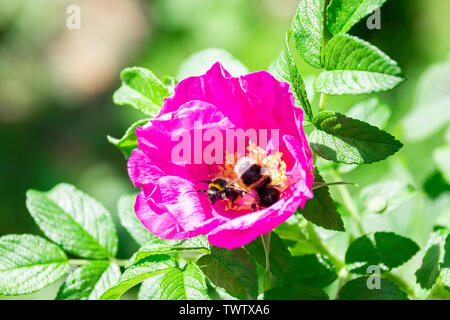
(252, 175)
(221, 189)
(268, 195)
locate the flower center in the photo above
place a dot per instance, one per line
(272, 164)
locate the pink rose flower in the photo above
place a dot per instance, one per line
(168, 203)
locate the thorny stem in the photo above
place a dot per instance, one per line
(266, 244)
(81, 262)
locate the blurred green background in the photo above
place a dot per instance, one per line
(56, 89)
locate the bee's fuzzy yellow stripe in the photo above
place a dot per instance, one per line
(213, 185)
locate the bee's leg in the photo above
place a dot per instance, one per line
(238, 190)
(201, 191)
(223, 195)
(254, 207)
(204, 181)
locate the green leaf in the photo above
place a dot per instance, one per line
(441, 157)
(321, 210)
(312, 270)
(346, 140)
(232, 270)
(128, 142)
(29, 263)
(445, 268)
(371, 111)
(200, 62)
(308, 31)
(187, 284)
(279, 255)
(429, 271)
(199, 243)
(285, 69)
(385, 196)
(150, 288)
(358, 289)
(142, 270)
(142, 90)
(79, 223)
(128, 219)
(385, 249)
(295, 292)
(89, 282)
(344, 14)
(354, 66)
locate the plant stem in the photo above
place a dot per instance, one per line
(315, 239)
(81, 262)
(323, 100)
(78, 262)
(349, 203)
(266, 244)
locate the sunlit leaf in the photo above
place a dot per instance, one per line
(232, 270)
(150, 288)
(29, 263)
(142, 90)
(308, 31)
(187, 284)
(152, 247)
(140, 271)
(76, 221)
(346, 140)
(89, 281)
(354, 66)
(343, 14)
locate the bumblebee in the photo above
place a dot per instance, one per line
(268, 195)
(255, 176)
(221, 189)
(251, 174)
